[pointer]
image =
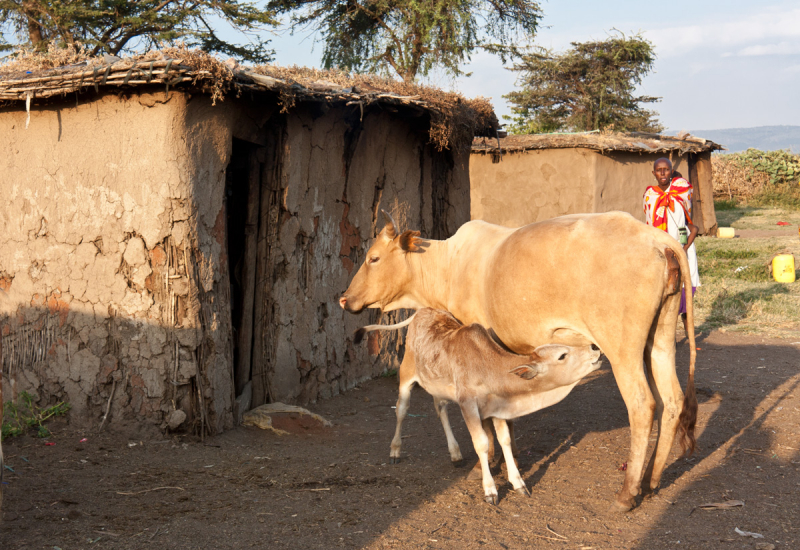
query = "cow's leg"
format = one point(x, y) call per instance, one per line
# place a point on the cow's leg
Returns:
point(452, 445)
point(481, 442)
point(663, 380)
point(477, 473)
point(407, 376)
point(632, 382)
point(504, 437)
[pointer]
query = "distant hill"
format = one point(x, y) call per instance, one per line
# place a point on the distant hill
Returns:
point(766, 138)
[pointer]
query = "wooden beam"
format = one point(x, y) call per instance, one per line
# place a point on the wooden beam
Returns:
point(249, 272)
point(263, 325)
point(697, 196)
point(705, 183)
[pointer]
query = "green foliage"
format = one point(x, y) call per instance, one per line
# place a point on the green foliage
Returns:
point(781, 166)
point(588, 87)
point(18, 418)
point(114, 26)
point(411, 37)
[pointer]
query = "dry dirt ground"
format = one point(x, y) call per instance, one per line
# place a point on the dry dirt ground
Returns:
point(333, 487)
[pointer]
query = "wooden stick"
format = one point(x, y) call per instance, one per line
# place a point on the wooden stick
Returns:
point(150, 490)
point(556, 534)
point(96, 70)
point(108, 405)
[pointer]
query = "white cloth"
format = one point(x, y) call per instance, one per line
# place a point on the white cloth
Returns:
point(676, 220)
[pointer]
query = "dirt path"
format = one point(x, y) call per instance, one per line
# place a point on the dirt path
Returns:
point(333, 487)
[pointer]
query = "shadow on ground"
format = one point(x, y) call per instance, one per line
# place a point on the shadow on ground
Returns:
point(334, 488)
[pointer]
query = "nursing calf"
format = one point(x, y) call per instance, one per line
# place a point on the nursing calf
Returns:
point(463, 364)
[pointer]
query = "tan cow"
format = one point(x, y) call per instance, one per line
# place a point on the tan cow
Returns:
point(463, 364)
point(603, 279)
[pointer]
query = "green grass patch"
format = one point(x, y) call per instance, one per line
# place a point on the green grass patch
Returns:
point(738, 292)
point(724, 205)
point(760, 218)
point(25, 415)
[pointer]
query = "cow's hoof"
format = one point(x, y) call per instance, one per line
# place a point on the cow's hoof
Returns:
point(491, 499)
point(457, 463)
point(394, 460)
point(523, 491)
point(476, 474)
point(618, 507)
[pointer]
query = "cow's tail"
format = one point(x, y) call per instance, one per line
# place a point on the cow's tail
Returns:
point(688, 416)
point(369, 328)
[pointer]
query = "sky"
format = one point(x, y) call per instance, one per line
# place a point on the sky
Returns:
point(720, 64)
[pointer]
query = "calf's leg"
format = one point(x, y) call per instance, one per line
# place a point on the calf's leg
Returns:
point(481, 443)
point(407, 376)
point(504, 437)
point(477, 473)
point(452, 445)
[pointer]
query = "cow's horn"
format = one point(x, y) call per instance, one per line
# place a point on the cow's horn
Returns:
point(390, 229)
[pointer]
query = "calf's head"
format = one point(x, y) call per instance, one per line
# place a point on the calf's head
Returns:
point(554, 365)
point(383, 279)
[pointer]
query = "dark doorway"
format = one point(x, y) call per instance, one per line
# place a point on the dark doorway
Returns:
point(242, 198)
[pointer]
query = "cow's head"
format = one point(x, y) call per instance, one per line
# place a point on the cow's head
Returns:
point(385, 275)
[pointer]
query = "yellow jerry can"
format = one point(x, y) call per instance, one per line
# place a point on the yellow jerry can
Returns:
point(783, 268)
point(725, 233)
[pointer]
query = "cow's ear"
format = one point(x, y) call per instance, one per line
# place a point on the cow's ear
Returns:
point(390, 229)
point(526, 372)
point(409, 241)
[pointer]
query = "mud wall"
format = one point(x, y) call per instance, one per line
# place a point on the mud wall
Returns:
point(537, 185)
point(101, 260)
point(336, 172)
point(113, 249)
point(621, 179)
point(532, 186)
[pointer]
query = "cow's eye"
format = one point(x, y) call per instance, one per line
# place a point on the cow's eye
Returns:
point(562, 356)
point(373, 259)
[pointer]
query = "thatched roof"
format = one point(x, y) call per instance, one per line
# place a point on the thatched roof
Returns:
point(30, 77)
point(634, 142)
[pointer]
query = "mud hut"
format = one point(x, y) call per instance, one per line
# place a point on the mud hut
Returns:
point(176, 231)
point(526, 178)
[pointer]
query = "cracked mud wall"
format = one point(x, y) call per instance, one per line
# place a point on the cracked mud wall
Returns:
point(113, 249)
point(536, 185)
point(109, 283)
point(335, 174)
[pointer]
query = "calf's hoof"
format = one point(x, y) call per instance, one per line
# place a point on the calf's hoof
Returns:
point(457, 463)
point(491, 499)
point(523, 491)
point(394, 460)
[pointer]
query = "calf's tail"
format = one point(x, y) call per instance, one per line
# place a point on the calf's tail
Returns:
point(369, 328)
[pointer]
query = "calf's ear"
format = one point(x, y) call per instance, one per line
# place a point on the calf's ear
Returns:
point(526, 372)
point(409, 241)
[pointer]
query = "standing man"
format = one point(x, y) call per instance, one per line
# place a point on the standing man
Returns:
point(668, 206)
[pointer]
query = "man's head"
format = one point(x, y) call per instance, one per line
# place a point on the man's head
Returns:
point(662, 170)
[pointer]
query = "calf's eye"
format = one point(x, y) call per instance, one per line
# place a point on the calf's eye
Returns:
point(562, 356)
point(373, 259)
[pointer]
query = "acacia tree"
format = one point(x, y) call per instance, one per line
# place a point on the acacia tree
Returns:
point(114, 26)
point(411, 37)
point(591, 86)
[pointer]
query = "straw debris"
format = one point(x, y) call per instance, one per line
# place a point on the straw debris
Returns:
point(28, 75)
